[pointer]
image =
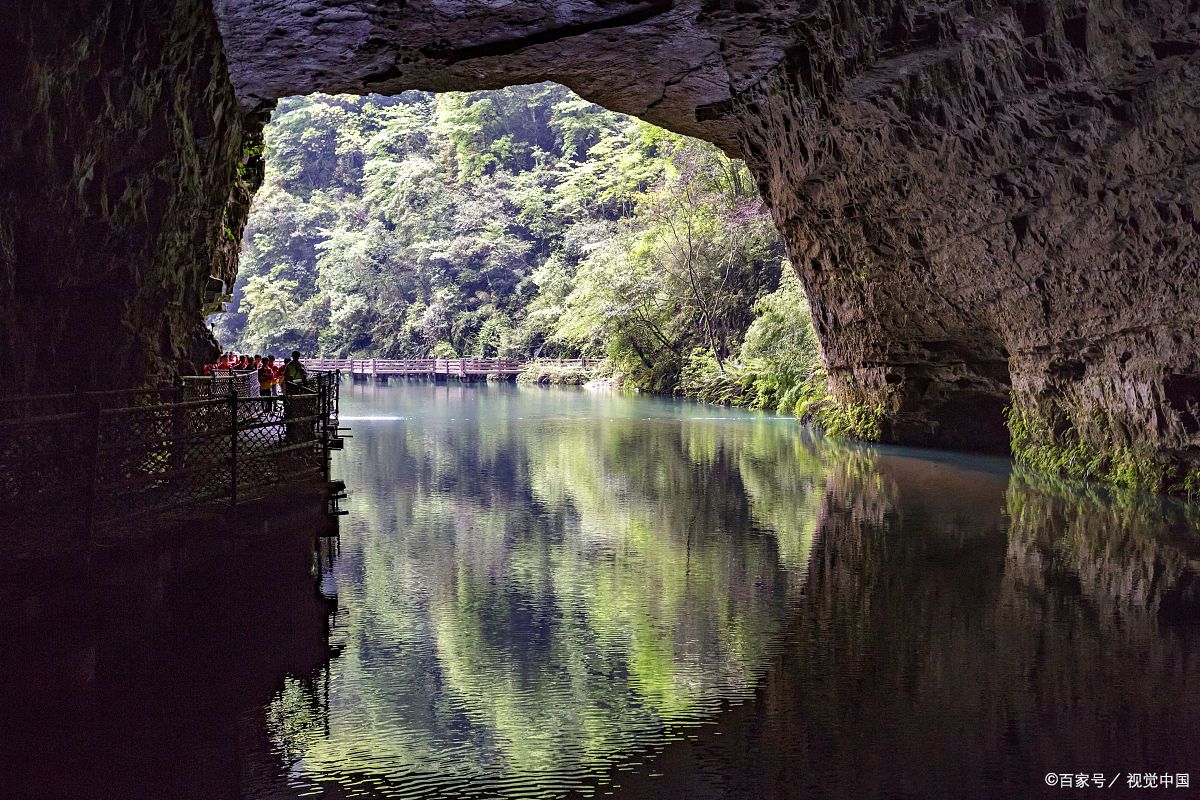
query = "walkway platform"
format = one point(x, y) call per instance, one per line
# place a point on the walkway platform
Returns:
point(94, 466)
point(382, 369)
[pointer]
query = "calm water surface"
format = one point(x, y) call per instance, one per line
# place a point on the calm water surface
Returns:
point(549, 593)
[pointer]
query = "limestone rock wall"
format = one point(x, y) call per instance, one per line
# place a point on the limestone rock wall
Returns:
point(120, 156)
point(1000, 198)
point(674, 63)
point(985, 199)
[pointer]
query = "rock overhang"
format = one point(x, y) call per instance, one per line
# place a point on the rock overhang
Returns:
point(989, 203)
point(940, 171)
point(677, 64)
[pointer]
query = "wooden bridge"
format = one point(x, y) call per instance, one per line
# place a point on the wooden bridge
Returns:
point(381, 369)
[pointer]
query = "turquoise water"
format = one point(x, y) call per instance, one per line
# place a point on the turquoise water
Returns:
point(546, 592)
point(552, 593)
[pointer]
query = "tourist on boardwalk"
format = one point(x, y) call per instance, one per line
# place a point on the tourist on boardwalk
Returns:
point(294, 374)
point(266, 382)
point(266, 378)
point(295, 385)
point(272, 372)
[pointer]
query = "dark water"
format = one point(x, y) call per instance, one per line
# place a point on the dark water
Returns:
point(548, 593)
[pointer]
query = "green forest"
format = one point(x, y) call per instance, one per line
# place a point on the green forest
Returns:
point(527, 223)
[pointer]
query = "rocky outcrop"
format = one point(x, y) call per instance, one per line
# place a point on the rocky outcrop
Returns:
point(120, 155)
point(1001, 201)
point(667, 62)
point(984, 200)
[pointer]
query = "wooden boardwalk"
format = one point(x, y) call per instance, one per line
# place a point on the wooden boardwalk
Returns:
point(433, 368)
point(118, 459)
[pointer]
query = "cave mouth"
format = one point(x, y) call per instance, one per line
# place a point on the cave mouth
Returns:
point(507, 223)
point(470, 224)
point(986, 172)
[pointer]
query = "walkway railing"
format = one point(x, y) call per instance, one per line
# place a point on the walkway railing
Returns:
point(435, 367)
point(243, 383)
point(111, 458)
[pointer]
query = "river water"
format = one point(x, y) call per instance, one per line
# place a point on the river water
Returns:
point(552, 593)
point(545, 591)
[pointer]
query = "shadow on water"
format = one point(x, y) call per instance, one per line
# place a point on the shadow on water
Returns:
point(554, 593)
point(964, 636)
point(144, 677)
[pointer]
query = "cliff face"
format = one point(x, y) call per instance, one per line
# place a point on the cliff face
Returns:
point(982, 198)
point(120, 151)
point(1003, 200)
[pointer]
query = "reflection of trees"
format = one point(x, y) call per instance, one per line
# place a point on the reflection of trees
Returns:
point(547, 596)
point(962, 636)
point(565, 590)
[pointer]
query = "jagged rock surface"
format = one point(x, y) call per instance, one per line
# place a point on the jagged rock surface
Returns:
point(982, 198)
point(677, 64)
point(120, 145)
point(1001, 199)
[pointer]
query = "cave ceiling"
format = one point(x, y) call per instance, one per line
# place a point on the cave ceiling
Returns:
point(677, 64)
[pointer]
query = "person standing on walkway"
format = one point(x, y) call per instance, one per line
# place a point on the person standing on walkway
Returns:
point(294, 374)
point(295, 384)
point(266, 381)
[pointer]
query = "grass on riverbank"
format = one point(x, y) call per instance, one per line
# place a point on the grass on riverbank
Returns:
point(759, 384)
point(1078, 445)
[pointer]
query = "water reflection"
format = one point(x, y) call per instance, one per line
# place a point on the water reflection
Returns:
point(542, 585)
point(557, 593)
point(949, 650)
point(144, 676)
point(1131, 557)
point(553, 593)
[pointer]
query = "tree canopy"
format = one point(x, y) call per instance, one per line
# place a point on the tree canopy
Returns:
point(521, 222)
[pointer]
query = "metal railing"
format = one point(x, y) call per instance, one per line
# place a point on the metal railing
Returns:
point(243, 383)
point(433, 367)
point(116, 457)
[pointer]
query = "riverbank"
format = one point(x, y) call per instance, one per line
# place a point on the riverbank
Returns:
point(554, 373)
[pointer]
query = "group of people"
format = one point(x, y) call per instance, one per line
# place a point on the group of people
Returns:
point(273, 377)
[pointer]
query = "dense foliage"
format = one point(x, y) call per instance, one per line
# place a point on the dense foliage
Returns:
point(523, 222)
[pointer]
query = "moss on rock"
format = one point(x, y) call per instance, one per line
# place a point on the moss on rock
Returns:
point(1079, 444)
